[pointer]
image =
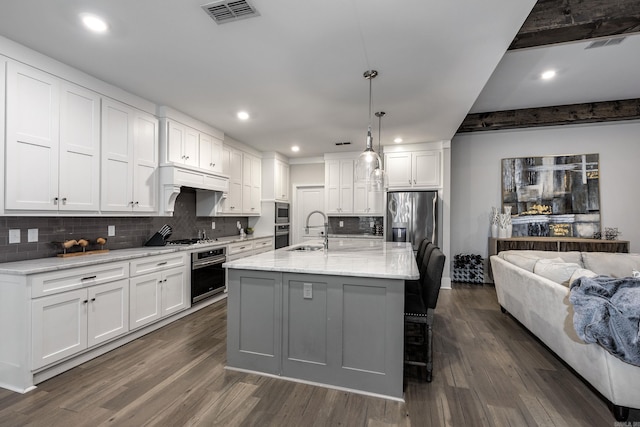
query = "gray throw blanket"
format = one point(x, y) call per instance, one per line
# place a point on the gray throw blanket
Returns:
point(607, 312)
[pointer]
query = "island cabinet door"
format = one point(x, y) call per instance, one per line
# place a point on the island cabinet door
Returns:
point(344, 331)
point(254, 320)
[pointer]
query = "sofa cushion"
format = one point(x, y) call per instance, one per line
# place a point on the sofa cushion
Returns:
point(571, 256)
point(526, 261)
point(611, 264)
point(556, 270)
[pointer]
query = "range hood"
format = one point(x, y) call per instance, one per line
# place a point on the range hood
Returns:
point(173, 177)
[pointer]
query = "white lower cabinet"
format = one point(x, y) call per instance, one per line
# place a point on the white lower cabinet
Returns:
point(158, 294)
point(69, 322)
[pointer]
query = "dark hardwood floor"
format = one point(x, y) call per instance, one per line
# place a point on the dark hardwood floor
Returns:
point(489, 371)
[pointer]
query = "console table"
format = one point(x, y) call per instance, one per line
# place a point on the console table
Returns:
point(560, 244)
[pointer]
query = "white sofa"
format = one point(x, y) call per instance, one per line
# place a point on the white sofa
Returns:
point(533, 286)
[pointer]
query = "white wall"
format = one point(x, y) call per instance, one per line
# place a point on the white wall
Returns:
point(476, 174)
point(306, 174)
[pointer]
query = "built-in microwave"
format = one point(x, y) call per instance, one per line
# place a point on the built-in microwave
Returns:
point(282, 213)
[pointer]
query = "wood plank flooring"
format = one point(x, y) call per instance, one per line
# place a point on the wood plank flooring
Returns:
point(489, 371)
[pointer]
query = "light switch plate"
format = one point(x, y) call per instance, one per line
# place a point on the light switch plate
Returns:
point(111, 230)
point(32, 235)
point(213, 225)
point(14, 236)
point(307, 290)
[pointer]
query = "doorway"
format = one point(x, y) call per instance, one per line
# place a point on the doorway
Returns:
point(307, 199)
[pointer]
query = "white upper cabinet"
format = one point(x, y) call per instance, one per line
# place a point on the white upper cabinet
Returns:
point(53, 140)
point(275, 178)
point(145, 162)
point(232, 165)
point(367, 202)
point(129, 159)
point(182, 144)
point(251, 184)
point(210, 153)
point(415, 169)
point(338, 192)
point(188, 146)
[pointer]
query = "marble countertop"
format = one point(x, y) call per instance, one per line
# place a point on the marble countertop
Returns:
point(354, 236)
point(43, 265)
point(345, 257)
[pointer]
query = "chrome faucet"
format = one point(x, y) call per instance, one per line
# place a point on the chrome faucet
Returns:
point(326, 227)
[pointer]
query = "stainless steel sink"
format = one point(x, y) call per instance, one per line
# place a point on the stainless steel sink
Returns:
point(306, 248)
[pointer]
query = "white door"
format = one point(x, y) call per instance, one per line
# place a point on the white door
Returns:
point(174, 291)
point(308, 199)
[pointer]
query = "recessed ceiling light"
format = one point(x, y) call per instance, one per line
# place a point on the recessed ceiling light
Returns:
point(94, 23)
point(295, 148)
point(547, 75)
point(397, 140)
point(243, 115)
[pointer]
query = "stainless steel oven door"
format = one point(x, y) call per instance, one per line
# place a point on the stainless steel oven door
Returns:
point(207, 277)
point(281, 236)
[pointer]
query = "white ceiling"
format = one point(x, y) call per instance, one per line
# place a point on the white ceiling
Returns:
point(606, 73)
point(297, 68)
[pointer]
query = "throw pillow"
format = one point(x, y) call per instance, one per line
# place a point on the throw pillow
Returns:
point(556, 270)
point(636, 273)
point(581, 272)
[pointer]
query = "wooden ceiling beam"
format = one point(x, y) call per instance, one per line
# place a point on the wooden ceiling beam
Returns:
point(560, 21)
point(594, 112)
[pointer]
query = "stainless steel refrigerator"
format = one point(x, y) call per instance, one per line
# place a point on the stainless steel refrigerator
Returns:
point(412, 216)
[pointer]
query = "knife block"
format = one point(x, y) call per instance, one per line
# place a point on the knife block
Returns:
point(156, 240)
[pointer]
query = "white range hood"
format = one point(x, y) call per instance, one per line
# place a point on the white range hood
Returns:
point(173, 177)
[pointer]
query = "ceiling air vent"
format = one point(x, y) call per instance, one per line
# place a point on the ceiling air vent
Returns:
point(606, 42)
point(229, 11)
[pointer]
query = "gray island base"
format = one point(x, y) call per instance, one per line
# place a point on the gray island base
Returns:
point(331, 318)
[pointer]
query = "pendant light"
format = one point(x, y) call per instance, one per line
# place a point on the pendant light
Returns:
point(378, 176)
point(368, 159)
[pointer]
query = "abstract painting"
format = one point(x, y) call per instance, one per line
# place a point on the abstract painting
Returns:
point(555, 196)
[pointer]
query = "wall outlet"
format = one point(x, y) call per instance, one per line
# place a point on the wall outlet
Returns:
point(111, 230)
point(307, 290)
point(238, 225)
point(371, 224)
point(14, 236)
point(341, 223)
point(32, 235)
point(213, 225)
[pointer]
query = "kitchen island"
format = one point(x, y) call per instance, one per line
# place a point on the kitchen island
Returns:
point(331, 318)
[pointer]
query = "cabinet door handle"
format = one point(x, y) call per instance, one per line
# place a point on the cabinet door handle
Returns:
point(85, 301)
point(64, 200)
point(93, 299)
point(414, 181)
point(88, 277)
point(55, 200)
point(409, 182)
point(136, 203)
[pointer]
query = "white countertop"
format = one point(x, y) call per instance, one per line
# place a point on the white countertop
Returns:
point(349, 257)
point(43, 265)
point(355, 236)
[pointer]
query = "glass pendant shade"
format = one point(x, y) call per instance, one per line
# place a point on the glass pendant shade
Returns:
point(366, 162)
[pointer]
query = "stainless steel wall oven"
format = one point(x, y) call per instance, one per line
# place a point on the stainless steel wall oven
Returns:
point(282, 236)
point(207, 275)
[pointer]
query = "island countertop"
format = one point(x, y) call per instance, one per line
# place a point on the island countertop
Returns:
point(360, 258)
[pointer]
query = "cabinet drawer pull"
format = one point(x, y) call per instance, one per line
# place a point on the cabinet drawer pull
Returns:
point(88, 277)
point(161, 263)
